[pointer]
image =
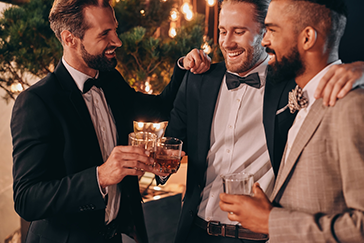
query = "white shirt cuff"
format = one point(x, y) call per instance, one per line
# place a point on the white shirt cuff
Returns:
point(98, 183)
point(180, 63)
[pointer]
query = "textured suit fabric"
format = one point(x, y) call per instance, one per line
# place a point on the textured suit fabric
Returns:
point(320, 187)
point(56, 151)
point(197, 96)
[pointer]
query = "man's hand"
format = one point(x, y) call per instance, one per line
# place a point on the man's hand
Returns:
point(338, 81)
point(251, 212)
point(124, 161)
point(197, 61)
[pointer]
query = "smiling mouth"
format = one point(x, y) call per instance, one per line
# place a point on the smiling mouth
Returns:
point(110, 52)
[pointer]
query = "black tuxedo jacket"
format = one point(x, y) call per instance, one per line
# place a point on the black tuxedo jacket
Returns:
point(191, 120)
point(276, 126)
point(56, 151)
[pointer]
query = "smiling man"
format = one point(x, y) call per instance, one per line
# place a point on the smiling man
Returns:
point(318, 194)
point(73, 178)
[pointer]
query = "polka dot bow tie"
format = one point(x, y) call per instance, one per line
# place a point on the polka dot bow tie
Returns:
point(296, 100)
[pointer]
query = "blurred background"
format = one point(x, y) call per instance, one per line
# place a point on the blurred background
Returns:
point(155, 33)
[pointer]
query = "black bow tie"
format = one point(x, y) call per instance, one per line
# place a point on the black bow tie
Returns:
point(234, 81)
point(91, 82)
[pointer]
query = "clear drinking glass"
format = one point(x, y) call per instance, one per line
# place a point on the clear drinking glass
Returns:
point(238, 183)
point(168, 154)
point(147, 139)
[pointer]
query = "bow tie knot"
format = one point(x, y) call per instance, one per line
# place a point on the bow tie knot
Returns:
point(233, 81)
point(296, 100)
point(91, 82)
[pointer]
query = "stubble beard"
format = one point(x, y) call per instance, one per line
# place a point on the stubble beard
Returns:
point(253, 55)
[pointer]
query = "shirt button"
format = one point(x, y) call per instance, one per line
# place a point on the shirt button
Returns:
point(230, 126)
point(103, 129)
point(238, 100)
point(208, 218)
point(228, 150)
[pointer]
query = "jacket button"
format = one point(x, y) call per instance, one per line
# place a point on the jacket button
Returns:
point(191, 213)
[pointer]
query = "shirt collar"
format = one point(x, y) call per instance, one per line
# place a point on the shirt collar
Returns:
point(310, 88)
point(261, 69)
point(79, 77)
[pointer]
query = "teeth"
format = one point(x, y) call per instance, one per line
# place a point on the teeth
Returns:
point(234, 54)
point(109, 52)
point(271, 56)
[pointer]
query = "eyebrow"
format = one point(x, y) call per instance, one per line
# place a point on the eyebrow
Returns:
point(234, 27)
point(270, 25)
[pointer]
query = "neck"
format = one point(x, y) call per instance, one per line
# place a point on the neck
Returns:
point(314, 64)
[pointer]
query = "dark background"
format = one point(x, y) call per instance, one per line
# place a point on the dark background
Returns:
point(352, 43)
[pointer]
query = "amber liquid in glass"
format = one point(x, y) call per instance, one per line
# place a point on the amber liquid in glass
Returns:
point(167, 163)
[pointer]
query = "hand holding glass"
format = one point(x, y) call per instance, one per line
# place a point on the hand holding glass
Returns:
point(238, 183)
point(168, 154)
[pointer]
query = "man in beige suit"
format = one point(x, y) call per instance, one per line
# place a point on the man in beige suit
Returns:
point(319, 191)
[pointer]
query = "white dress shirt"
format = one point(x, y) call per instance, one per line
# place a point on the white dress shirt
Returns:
point(105, 128)
point(237, 143)
point(308, 91)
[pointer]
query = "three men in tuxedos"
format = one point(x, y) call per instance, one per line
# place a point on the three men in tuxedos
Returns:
point(318, 194)
point(73, 178)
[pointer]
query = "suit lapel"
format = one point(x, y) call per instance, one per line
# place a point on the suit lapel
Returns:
point(275, 98)
point(82, 115)
point(209, 92)
point(305, 133)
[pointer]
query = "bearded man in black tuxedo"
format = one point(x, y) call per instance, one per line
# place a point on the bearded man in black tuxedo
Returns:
point(73, 178)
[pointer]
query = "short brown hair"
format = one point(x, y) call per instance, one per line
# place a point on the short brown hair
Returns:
point(68, 15)
point(260, 6)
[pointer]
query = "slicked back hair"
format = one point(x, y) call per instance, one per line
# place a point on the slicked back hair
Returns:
point(69, 15)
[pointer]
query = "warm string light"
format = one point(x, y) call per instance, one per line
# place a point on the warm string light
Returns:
point(16, 88)
point(211, 3)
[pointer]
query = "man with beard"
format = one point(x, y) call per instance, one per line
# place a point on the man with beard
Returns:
point(220, 123)
point(72, 177)
point(318, 194)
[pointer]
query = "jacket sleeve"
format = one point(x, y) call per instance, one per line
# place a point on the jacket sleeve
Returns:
point(41, 189)
point(158, 107)
point(177, 126)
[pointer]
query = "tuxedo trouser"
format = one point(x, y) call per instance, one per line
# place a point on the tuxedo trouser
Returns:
point(198, 235)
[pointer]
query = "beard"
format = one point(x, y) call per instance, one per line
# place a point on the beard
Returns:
point(288, 68)
point(253, 54)
point(98, 62)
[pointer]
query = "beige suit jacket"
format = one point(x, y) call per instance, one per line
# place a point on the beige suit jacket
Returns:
point(320, 188)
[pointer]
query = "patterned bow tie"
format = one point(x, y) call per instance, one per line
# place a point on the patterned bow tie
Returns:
point(234, 81)
point(91, 82)
point(296, 100)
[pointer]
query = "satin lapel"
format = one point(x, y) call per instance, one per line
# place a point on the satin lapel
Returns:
point(273, 101)
point(73, 94)
point(206, 109)
point(305, 133)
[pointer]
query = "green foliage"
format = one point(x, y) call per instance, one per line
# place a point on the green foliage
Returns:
point(143, 56)
point(27, 44)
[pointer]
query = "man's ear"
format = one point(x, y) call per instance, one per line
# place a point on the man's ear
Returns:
point(309, 38)
point(68, 39)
